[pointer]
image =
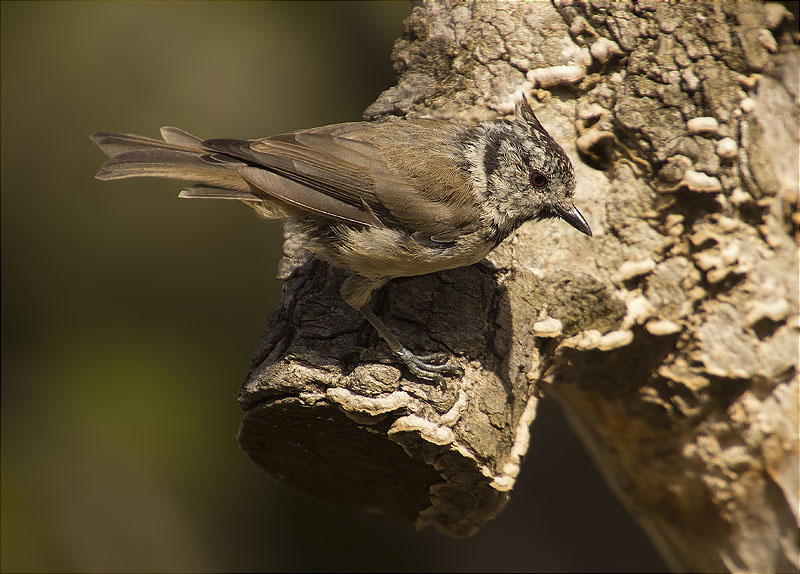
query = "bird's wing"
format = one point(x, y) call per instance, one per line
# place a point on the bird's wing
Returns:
point(346, 172)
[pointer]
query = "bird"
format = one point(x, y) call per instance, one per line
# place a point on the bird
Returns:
point(382, 199)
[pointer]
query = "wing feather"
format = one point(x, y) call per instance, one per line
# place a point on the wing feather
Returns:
point(356, 172)
point(298, 195)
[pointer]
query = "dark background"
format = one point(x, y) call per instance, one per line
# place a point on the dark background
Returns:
point(129, 316)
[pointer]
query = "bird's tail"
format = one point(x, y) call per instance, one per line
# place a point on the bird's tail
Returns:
point(180, 156)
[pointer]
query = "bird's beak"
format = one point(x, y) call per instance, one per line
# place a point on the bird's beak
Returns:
point(575, 219)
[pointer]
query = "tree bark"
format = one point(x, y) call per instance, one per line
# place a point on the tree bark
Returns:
point(670, 338)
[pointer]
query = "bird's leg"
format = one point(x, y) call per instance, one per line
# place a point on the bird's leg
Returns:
point(428, 367)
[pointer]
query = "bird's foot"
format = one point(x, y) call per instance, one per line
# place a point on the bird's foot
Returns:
point(431, 367)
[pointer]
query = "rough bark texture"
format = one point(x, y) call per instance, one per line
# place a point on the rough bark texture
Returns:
point(670, 337)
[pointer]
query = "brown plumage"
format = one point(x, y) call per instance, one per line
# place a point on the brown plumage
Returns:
point(382, 200)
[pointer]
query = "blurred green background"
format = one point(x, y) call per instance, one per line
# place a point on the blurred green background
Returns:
point(129, 316)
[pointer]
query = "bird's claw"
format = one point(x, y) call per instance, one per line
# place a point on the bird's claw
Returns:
point(433, 358)
point(432, 367)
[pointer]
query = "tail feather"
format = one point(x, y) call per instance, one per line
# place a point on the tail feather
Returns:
point(212, 175)
point(179, 156)
point(201, 191)
point(179, 137)
point(264, 207)
point(112, 144)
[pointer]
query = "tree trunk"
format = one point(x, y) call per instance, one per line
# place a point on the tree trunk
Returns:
point(670, 338)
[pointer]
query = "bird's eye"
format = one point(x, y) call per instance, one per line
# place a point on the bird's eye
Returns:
point(537, 179)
